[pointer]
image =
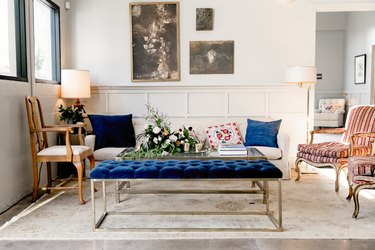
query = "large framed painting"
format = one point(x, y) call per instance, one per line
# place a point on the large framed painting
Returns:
point(155, 41)
point(211, 57)
point(360, 69)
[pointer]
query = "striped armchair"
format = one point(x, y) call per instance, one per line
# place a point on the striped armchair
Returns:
point(360, 119)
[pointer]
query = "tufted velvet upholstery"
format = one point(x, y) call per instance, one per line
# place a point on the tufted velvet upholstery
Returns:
point(174, 169)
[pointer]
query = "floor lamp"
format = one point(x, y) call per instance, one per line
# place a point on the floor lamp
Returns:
point(301, 75)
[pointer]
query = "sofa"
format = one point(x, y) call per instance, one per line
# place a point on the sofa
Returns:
point(278, 156)
point(330, 113)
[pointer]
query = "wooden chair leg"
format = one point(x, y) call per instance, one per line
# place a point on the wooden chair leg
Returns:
point(356, 201)
point(49, 176)
point(350, 185)
point(92, 161)
point(337, 181)
point(298, 169)
point(79, 168)
point(35, 178)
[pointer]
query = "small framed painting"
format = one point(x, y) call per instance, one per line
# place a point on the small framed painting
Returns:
point(204, 19)
point(360, 69)
point(211, 57)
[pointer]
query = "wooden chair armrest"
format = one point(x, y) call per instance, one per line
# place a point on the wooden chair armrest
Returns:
point(370, 135)
point(54, 129)
point(79, 125)
point(325, 131)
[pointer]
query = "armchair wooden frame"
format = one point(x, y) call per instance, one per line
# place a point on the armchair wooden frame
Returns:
point(43, 153)
point(335, 154)
point(354, 188)
point(338, 167)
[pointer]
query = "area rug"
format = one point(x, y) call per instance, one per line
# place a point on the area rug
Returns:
point(311, 210)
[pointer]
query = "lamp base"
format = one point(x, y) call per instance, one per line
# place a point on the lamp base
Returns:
point(77, 103)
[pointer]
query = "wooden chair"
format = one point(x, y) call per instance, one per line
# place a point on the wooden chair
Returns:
point(360, 119)
point(42, 152)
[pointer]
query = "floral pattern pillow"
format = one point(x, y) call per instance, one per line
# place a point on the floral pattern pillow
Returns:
point(223, 134)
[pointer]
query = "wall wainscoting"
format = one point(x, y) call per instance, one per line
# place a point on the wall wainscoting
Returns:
point(201, 106)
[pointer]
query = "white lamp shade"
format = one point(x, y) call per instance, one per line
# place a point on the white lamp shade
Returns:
point(75, 83)
point(300, 74)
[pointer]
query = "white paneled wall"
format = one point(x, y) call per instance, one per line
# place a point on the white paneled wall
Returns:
point(201, 106)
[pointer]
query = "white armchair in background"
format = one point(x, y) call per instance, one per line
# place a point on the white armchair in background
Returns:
point(330, 113)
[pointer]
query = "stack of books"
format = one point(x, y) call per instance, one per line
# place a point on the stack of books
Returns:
point(232, 150)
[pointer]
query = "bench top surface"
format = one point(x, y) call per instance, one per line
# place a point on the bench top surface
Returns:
point(191, 169)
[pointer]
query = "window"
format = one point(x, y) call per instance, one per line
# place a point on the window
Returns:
point(47, 40)
point(13, 40)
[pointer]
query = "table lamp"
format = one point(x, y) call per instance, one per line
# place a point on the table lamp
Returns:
point(75, 84)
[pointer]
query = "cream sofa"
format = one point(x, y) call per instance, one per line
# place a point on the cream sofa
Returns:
point(330, 113)
point(277, 156)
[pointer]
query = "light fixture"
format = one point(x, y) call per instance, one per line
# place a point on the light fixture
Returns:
point(75, 84)
point(300, 75)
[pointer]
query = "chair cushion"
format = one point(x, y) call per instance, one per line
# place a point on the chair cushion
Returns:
point(61, 150)
point(113, 130)
point(327, 116)
point(361, 169)
point(259, 133)
point(327, 149)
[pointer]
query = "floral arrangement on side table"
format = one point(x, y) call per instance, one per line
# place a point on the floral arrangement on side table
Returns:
point(72, 114)
point(159, 140)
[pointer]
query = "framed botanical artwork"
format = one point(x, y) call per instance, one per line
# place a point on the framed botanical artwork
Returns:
point(211, 57)
point(155, 45)
point(360, 69)
point(204, 19)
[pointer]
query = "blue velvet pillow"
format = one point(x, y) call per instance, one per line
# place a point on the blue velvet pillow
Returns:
point(113, 130)
point(260, 133)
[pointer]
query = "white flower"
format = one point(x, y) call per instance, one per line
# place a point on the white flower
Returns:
point(182, 142)
point(173, 138)
point(159, 138)
point(167, 141)
point(156, 140)
point(164, 153)
point(156, 130)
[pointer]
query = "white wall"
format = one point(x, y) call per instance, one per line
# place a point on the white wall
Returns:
point(360, 36)
point(266, 34)
point(16, 179)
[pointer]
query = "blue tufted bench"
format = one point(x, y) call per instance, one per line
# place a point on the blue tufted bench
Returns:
point(259, 172)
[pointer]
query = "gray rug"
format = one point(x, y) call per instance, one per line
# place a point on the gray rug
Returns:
point(311, 209)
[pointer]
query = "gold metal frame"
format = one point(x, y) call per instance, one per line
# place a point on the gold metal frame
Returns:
point(123, 186)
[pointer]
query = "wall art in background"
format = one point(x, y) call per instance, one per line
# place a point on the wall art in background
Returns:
point(360, 69)
point(204, 19)
point(155, 41)
point(211, 57)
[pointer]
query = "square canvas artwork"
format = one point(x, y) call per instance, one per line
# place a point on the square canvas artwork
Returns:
point(204, 19)
point(211, 57)
point(155, 41)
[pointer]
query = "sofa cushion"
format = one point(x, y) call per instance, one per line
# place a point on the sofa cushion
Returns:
point(223, 134)
point(113, 130)
point(259, 133)
point(109, 153)
point(271, 153)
